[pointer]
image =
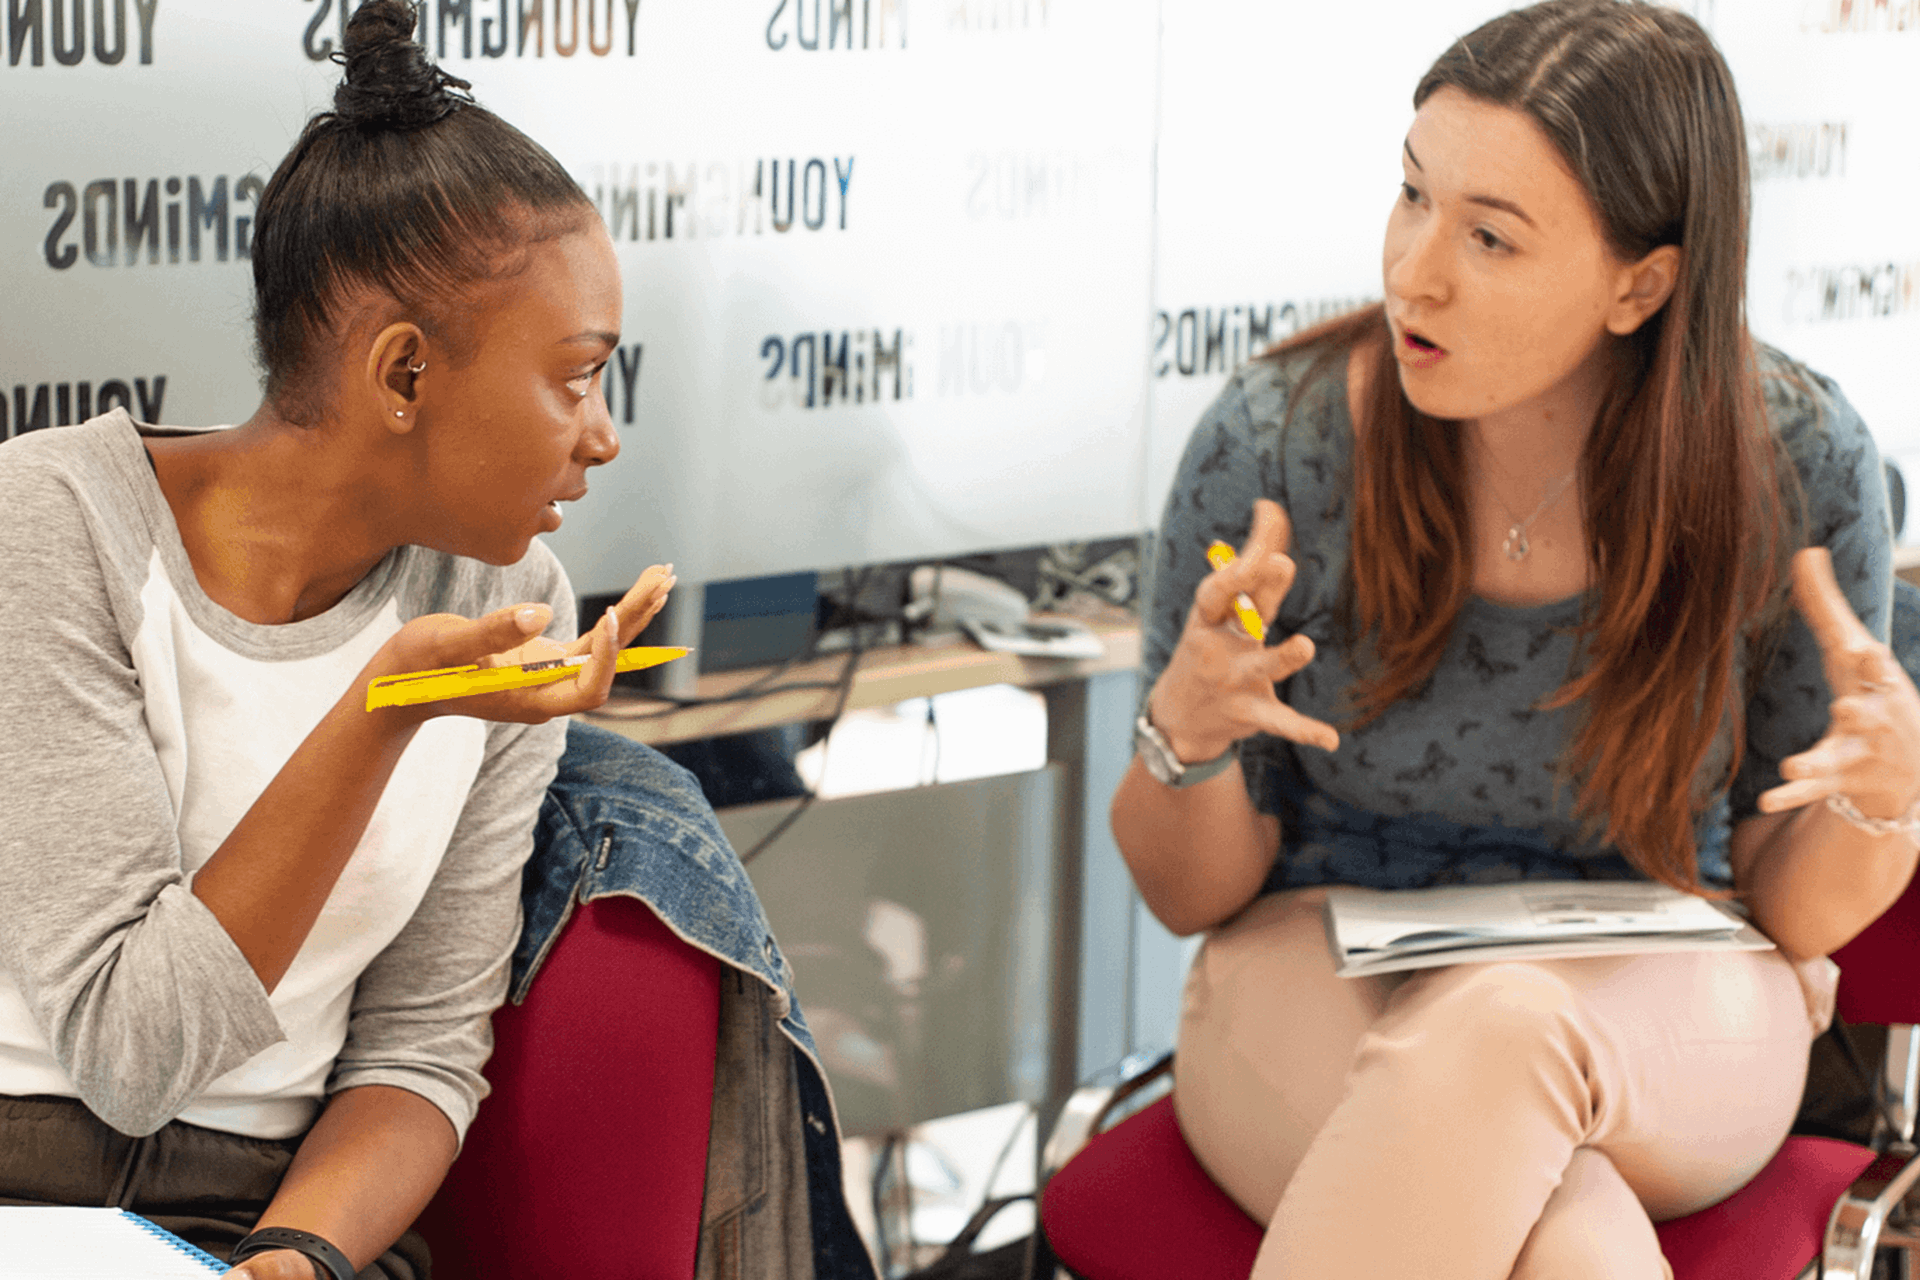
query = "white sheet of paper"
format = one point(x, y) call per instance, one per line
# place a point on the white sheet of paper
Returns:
point(62, 1243)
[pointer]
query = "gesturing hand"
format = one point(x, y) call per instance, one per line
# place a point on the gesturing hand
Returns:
point(1218, 684)
point(1871, 750)
point(636, 609)
point(512, 635)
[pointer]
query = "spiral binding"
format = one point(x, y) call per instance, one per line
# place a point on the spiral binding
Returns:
point(175, 1242)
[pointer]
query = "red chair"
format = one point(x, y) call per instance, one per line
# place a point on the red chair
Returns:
point(1130, 1202)
point(589, 1158)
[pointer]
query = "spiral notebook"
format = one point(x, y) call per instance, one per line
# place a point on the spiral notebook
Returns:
point(61, 1243)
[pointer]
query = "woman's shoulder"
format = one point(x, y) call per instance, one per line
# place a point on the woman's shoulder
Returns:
point(1800, 400)
point(75, 450)
point(1813, 421)
point(91, 472)
point(1293, 387)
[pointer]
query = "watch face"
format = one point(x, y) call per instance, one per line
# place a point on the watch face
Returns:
point(1155, 752)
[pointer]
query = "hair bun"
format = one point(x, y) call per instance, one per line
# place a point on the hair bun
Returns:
point(390, 82)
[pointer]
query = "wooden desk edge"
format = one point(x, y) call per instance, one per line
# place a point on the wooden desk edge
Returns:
point(886, 676)
point(1906, 562)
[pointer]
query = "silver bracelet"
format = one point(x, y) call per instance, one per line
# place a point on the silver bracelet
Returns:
point(1907, 824)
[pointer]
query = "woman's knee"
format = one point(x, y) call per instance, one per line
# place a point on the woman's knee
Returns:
point(1592, 1228)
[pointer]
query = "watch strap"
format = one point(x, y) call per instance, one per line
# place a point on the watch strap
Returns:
point(1158, 755)
point(328, 1262)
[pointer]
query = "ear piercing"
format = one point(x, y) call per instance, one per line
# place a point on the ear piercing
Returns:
point(416, 370)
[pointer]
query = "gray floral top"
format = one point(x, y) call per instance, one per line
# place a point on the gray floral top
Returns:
point(1462, 783)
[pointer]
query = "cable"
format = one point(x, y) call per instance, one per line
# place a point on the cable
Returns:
point(932, 730)
point(848, 671)
point(761, 685)
point(1006, 1149)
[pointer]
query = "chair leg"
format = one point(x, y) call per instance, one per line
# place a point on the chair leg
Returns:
point(1865, 1218)
point(1899, 1076)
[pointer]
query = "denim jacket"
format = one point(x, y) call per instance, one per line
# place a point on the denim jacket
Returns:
point(620, 818)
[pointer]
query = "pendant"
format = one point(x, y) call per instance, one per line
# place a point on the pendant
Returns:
point(1516, 546)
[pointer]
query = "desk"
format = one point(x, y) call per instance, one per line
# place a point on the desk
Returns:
point(886, 675)
point(1094, 952)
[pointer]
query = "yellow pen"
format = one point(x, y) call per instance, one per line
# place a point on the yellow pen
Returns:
point(1220, 555)
point(463, 682)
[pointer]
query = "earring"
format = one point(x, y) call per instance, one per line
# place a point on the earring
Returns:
point(399, 413)
point(417, 368)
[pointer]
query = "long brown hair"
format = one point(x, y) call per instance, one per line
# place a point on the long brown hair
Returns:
point(1686, 523)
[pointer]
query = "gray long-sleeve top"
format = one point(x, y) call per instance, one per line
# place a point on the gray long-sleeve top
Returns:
point(141, 721)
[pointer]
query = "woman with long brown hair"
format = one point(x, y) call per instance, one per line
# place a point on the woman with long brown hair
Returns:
point(1527, 534)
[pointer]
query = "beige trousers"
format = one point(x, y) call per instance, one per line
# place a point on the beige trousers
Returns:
point(1510, 1119)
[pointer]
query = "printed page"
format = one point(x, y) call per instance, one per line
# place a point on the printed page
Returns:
point(1380, 930)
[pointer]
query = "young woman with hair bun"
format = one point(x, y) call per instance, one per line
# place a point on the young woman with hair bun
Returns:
point(1527, 535)
point(251, 933)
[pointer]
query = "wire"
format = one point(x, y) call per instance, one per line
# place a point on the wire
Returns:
point(761, 685)
point(1006, 1149)
point(848, 671)
point(932, 730)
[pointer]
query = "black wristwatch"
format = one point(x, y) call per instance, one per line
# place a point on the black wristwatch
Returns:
point(328, 1262)
point(1157, 754)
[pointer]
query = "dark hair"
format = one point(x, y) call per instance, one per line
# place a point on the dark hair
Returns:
point(1687, 525)
point(407, 186)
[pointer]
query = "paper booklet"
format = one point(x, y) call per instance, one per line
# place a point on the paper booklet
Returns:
point(60, 1243)
point(1385, 930)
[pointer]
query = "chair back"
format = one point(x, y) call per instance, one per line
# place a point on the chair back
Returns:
point(589, 1158)
point(1880, 969)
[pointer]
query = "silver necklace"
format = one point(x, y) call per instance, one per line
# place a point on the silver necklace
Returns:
point(1516, 545)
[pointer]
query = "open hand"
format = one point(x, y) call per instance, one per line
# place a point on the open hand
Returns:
point(1871, 750)
point(1218, 685)
point(640, 606)
point(512, 635)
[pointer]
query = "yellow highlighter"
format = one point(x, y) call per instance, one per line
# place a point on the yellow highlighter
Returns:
point(463, 682)
point(1220, 555)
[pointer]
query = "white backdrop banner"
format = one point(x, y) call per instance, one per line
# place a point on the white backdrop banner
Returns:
point(903, 279)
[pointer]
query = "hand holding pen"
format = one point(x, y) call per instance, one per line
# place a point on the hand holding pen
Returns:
point(1218, 686)
point(1220, 555)
point(495, 650)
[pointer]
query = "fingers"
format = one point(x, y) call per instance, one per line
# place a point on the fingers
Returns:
point(595, 680)
point(1852, 656)
point(1265, 577)
point(1285, 722)
point(460, 641)
point(644, 600)
point(1219, 689)
point(274, 1264)
point(641, 605)
point(1859, 756)
point(1272, 530)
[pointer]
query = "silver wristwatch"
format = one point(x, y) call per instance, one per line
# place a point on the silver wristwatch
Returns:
point(1157, 754)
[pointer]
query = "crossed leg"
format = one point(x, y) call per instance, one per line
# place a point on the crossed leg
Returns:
point(1481, 1121)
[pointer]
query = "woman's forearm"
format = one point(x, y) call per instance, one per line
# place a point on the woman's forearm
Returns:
point(1813, 880)
point(1197, 854)
point(365, 1171)
point(270, 877)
